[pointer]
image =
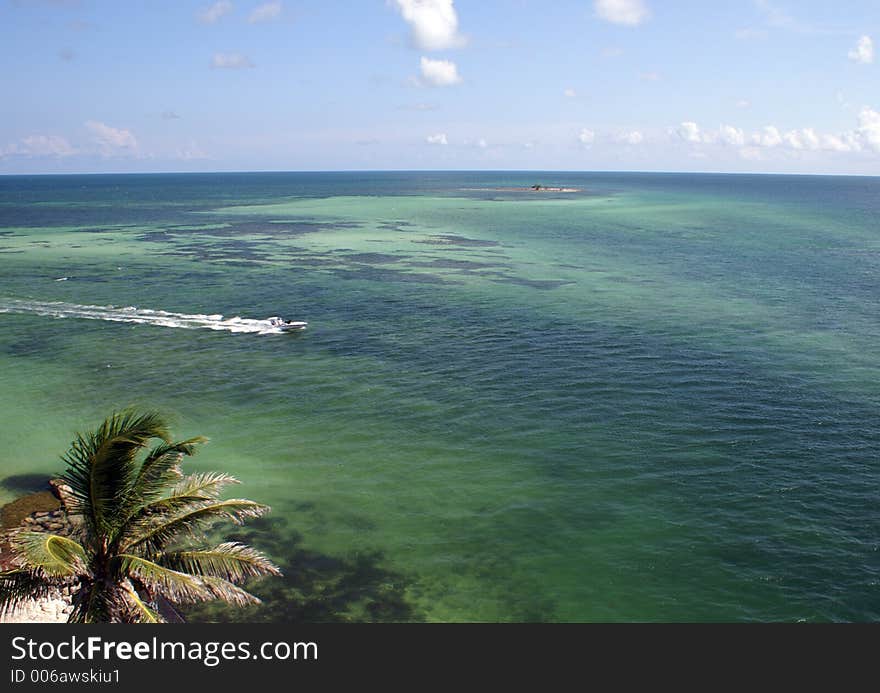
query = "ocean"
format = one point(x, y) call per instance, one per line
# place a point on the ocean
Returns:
point(652, 399)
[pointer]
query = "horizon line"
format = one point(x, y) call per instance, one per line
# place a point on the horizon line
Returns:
point(429, 170)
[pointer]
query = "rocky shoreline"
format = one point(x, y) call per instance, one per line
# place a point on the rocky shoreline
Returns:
point(40, 512)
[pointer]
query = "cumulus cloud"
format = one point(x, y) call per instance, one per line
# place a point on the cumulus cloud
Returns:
point(439, 73)
point(40, 146)
point(586, 137)
point(212, 14)
point(170, 115)
point(689, 132)
point(869, 128)
point(112, 141)
point(630, 137)
point(265, 12)
point(482, 144)
point(434, 23)
point(230, 61)
point(47, 145)
point(439, 138)
point(749, 146)
point(863, 52)
point(768, 137)
point(570, 93)
point(626, 12)
point(805, 138)
point(743, 103)
point(728, 134)
point(847, 142)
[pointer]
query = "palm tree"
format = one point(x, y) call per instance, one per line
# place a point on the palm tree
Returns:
point(137, 515)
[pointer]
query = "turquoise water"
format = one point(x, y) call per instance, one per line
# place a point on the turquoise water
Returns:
point(653, 399)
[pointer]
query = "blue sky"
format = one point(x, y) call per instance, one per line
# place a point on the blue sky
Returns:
point(650, 85)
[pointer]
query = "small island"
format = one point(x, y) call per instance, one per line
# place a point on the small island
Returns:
point(537, 187)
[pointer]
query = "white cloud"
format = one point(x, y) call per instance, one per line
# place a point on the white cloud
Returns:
point(230, 61)
point(768, 137)
point(731, 135)
point(212, 14)
point(265, 12)
point(749, 146)
point(869, 128)
point(439, 73)
point(586, 136)
point(439, 138)
point(847, 142)
point(434, 23)
point(649, 76)
point(689, 132)
point(809, 138)
point(482, 144)
point(112, 141)
point(627, 12)
point(39, 146)
point(570, 93)
point(47, 145)
point(743, 103)
point(863, 52)
point(805, 138)
point(630, 137)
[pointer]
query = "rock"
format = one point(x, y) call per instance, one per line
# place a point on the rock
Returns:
point(60, 489)
point(12, 514)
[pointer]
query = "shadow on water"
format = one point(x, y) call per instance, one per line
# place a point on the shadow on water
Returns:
point(25, 483)
point(314, 587)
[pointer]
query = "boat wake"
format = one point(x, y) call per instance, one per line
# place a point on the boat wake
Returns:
point(141, 316)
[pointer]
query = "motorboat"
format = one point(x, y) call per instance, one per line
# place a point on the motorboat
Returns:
point(287, 325)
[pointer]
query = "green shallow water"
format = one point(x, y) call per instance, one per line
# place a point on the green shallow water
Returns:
point(650, 400)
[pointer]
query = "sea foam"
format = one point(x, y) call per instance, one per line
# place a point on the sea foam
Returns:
point(141, 316)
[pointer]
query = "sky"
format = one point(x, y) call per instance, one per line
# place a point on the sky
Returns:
point(765, 86)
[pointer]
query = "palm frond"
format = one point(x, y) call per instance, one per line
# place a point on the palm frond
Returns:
point(229, 593)
point(208, 485)
point(54, 555)
point(21, 584)
point(154, 514)
point(190, 522)
point(140, 611)
point(230, 561)
point(176, 586)
point(161, 467)
point(101, 466)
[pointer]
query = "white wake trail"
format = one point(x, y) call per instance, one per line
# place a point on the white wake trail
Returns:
point(140, 316)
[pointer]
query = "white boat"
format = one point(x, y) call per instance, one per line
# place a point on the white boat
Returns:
point(287, 325)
